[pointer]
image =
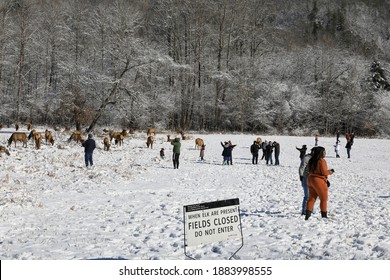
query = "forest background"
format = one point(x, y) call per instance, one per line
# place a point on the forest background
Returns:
point(268, 66)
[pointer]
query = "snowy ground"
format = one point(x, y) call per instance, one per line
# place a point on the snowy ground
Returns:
point(130, 206)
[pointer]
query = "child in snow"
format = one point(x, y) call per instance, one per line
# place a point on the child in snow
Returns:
point(337, 148)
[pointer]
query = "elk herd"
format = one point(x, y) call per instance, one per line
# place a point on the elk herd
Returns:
point(78, 137)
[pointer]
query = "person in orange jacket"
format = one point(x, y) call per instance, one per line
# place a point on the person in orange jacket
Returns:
point(318, 182)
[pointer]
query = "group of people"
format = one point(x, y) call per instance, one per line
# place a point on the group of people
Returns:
point(268, 148)
point(348, 146)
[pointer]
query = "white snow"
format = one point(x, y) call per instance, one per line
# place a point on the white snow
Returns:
point(130, 205)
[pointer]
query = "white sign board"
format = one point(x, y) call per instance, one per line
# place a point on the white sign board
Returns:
point(212, 222)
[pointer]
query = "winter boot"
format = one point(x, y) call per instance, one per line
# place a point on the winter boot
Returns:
point(324, 214)
point(308, 214)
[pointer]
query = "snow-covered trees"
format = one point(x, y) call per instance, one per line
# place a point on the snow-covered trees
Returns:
point(267, 66)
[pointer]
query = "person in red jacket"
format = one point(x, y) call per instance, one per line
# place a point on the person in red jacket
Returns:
point(318, 182)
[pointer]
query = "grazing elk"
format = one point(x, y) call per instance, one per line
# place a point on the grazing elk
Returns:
point(18, 136)
point(37, 138)
point(49, 137)
point(119, 139)
point(106, 143)
point(76, 136)
point(151, 131)
point(149, 142)
point(199, 143)
point(4, 150)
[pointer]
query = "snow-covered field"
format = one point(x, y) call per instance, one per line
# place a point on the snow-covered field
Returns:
point(130, 205)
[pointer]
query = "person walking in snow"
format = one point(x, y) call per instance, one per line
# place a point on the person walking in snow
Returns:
point(255, 152)
point(176, 152)
point(231, 146)
point(89, 146)
point(338, 135)
point(202, 148)
point(317, 182)
point(337, 148)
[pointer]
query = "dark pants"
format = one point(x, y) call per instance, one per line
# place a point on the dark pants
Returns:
point(255, 158)
point(276, 159)
point(175, 159)
point(88, 159)
point(349, 152)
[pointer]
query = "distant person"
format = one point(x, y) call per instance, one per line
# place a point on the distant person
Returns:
point(176, 152)
point(347, 136)
point(348, 146)
point(264, 148)
point(227, 153)
point(337, 148)
point(302, 151)
point(276, 147)
point(255, 152)
point(317, 182)
point(162, 153)
point(316, 140)
point(268, 152)
point(89, 146)
point(231, 146)
point(338, 135)
point(202, 148)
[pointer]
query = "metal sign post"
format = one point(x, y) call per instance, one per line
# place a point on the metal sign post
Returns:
point(212, 222)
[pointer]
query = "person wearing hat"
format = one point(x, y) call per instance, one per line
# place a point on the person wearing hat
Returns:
point(89, 146)
point(202, 148)
point(302, 151)
point(176, 152)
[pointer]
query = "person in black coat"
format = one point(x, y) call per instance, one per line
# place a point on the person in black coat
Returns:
point(255, 152)
point(89, 147)
point(302, 151)
point(268, 152)
point(276, 147)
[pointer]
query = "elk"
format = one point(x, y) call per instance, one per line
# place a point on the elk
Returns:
point(106, 143)
point(29, 126)
point(199, 143)
point(151, 131)
point(119, 139)
point(149, 142)
point(18, 136)
point(4, 150)
point(49, 137)
point(259, 140)
point(76, 136)
point(37, 138)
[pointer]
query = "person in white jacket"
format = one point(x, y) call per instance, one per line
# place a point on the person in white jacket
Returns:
point(337, 148)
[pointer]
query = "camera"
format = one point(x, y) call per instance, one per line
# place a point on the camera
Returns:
point(332, 170)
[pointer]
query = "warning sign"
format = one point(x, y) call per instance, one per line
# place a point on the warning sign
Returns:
point(212, 222)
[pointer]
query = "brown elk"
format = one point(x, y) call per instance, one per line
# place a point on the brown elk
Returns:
point(149, 142)
point(119, 139)
point(49, 137)
point(37, 138)
point(29, 126)
point(18, 136)
point(151, 131)
point(106, 143)
point(76, 136)
point(169, 138)
point(16, 127)
point(199, 143)
point(4, 150)
point(259, 140)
